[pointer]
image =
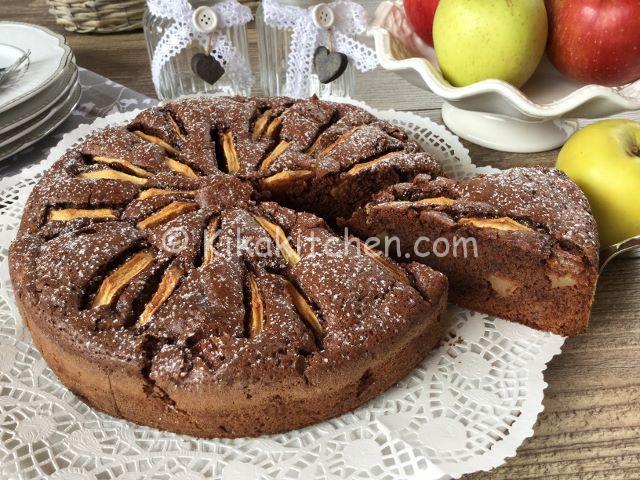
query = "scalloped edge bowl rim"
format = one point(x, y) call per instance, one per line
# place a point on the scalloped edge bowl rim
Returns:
point(516, 97)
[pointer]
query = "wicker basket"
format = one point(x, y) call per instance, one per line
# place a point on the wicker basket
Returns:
point(98, 16)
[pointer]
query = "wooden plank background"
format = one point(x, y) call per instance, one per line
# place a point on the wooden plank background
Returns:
point(590, 428)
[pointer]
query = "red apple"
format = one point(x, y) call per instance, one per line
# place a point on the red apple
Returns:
point(595, 41)
point(420, 14)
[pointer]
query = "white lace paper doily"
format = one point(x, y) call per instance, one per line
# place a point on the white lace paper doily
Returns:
point(467, 408)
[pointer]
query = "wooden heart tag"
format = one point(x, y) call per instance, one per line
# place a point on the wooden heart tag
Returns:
point(206, 67)
point(329, 65)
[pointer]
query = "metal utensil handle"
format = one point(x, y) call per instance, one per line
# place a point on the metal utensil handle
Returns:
point(609, 253)
point(15, 65)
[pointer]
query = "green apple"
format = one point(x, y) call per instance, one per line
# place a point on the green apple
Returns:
point(480, 39)
point(604, 160)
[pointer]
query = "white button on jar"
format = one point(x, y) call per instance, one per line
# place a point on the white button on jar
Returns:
point(323, 16)
point(205, 20)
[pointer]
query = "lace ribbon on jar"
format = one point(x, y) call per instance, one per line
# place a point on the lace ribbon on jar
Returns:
point(350, 20)
point(178, 36)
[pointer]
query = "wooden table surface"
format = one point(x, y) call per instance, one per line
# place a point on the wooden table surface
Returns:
point(590, 428)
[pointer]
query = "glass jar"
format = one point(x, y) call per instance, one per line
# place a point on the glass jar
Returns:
point(273, 53)
point(176, 77)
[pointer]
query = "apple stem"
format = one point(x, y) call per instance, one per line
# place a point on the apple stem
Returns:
point(635, 150)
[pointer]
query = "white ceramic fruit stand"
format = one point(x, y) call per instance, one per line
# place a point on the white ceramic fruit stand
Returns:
point(494, 114)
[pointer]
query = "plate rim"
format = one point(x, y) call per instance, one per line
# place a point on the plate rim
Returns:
point(76, 95)
point(66, 57)
point(66, 88)
point(39, 120)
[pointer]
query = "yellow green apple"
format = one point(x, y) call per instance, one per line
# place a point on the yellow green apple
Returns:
point(604, 160)
point(477, 40)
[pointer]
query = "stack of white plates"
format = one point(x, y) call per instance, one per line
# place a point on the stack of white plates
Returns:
point(42, 93)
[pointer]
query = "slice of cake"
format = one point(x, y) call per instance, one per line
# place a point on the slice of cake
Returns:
point(521, 245)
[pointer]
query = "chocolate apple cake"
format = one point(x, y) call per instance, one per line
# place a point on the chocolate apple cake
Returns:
point(178, 271)
point(521, 244)
point(162, 287)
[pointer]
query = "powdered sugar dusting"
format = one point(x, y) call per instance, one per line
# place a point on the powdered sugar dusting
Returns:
point(358, 304)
